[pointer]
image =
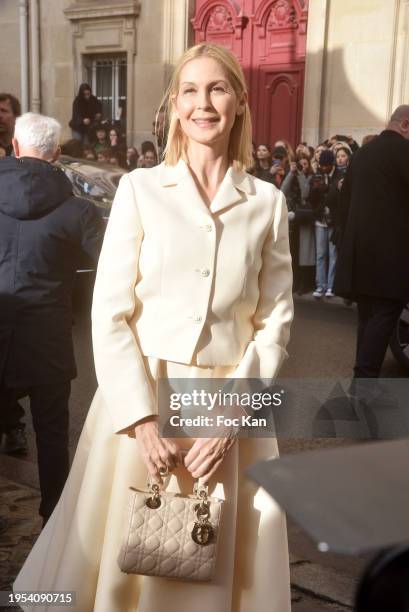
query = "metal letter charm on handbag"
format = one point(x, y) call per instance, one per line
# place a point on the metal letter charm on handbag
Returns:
point(202, 532)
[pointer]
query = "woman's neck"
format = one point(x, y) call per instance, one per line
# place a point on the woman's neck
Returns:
point(264, 163)
point(208, 166)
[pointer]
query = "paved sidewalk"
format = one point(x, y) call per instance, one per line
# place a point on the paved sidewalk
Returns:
point(19, 506)
point(334, 301)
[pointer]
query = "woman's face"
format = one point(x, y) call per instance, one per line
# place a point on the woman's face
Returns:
point(302, 150)
point(341, 158)
point(304, 165)
point(149, 159)
point(206, 103)
point(113, 135)
point(262, 152)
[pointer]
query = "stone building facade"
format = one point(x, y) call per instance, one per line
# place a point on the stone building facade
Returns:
point(355, 67)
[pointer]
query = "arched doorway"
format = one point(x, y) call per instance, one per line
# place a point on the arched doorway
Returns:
point(269, 39)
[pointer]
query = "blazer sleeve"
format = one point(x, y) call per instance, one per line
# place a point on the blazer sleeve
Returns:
point(266, 352)
point(124, 383)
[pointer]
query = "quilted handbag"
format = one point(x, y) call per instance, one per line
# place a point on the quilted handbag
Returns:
point(171, 535)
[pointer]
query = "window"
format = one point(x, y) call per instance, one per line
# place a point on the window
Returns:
point(107, 77)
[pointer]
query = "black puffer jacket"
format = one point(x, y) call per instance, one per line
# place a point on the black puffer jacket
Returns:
point(44, 230)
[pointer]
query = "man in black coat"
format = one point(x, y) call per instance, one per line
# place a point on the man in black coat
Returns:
point(373, 262)
point(44, 230)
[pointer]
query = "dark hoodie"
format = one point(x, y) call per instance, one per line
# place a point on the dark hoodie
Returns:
point(84, 109)
point(44, 230)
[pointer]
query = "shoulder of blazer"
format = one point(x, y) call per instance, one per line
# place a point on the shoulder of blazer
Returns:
point(271, 195)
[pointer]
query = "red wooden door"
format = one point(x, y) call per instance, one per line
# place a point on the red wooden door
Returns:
point(269, 39)
point(279, 104)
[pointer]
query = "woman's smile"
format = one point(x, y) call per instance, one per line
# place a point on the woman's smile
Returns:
point(205, 123)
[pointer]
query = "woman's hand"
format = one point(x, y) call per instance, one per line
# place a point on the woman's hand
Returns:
point(206, 456)
point(276, 170)
point(157, 453)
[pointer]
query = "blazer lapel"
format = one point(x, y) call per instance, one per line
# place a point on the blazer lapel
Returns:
point(234, 188)
point(181, 185)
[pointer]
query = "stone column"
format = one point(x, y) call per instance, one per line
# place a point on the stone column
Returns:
point(399, 79)
point(315, 67)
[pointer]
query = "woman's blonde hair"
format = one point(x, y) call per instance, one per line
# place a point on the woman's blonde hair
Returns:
point(240, 145)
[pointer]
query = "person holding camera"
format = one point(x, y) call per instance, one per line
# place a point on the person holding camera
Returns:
point(280, 165)
point(325, 249)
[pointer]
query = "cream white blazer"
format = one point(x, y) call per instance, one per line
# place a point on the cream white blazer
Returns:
point(182, 282)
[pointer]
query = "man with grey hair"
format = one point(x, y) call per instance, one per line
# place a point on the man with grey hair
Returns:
point(44, 230)
point(373, 261)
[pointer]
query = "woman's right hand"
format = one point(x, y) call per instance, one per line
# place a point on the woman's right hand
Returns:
point(157, 453)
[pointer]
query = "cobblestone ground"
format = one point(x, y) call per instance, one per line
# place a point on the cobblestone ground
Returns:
point(18, 506)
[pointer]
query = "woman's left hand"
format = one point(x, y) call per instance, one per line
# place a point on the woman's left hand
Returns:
point(207, 454)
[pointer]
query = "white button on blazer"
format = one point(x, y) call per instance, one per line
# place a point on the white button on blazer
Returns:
point(183, 282)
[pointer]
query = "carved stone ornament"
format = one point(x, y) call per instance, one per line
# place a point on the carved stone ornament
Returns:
point(282, 15)
point(220, 20)
point(100, 10)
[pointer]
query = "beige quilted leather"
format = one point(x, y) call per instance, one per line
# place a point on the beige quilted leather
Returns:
point(158, 542)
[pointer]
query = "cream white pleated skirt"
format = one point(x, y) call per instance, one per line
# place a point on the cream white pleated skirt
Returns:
point(78, 548)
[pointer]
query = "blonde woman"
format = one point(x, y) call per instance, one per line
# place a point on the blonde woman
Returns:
point(194, 280)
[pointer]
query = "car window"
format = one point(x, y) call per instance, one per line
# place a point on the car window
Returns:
point(84, 187)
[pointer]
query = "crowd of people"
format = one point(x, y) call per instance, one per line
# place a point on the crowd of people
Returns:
point(97, 138)
point(311, 179)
